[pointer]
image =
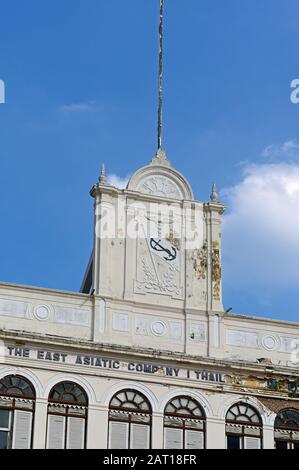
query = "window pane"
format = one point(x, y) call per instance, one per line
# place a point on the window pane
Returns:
point(255, 419)
point(144, 406)
point(140, 436)
point(15, 391)
point(129, 405)
point(59, 388)
point(184, 402)
point(281, 444)
point(3, 439)
point(170, 408)
point(230, 416)
point(4, 419)
point(138, 399)
point(182, 411)
point(56, 430)
point(173, 438)
point(194, 440)
point(118, 435)
point(69, 387)
point(22, 430)
point(122, 396)
point(241, 419)
point(115, 402)
point(68, 397)
point(130, 395)
point(252, 443)
point(233, 442)
point(75, 433)
point(296, 445)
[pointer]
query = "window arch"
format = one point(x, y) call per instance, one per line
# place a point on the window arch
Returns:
point(67, 416)
point(184, 424)
point(68, 393)
point(286, 429)
point(243, 427)
point(130, 419)
point(17, 402)
point(16, 386)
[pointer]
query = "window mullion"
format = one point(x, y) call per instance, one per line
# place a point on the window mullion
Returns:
point(129, 433)
point(66, 427)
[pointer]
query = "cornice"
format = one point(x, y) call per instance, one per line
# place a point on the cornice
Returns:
point(229, 366)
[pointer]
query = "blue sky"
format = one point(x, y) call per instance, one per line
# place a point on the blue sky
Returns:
point(81, 86)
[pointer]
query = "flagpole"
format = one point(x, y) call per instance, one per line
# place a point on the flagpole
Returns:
point(160, 108)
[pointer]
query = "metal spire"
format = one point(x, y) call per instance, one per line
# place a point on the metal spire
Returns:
point(160, 158)
point(160, 109)
point(102, 177)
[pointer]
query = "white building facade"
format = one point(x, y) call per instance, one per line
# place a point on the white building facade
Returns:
point(145, 355)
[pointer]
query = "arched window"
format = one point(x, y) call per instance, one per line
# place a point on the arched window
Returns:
point(184, 424)
point(286, 429)
point(130, 417)
point(243, 427)
point(67, 417)
point(17, 399)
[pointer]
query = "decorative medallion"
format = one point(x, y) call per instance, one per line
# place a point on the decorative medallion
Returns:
point(159, 185)
point(42, 312)
point(158, 328)
point(270, 342)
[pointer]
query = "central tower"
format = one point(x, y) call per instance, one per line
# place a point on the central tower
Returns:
point(156, 264)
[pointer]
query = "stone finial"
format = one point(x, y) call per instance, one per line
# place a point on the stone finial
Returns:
point(160, 158)
point(102, 178)
point(214, 195)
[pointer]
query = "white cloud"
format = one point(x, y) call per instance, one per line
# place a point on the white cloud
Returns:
point(78, 107)
point(287, 151)
point(261, 228)
point(118, 181)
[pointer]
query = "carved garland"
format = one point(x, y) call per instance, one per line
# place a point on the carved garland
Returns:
point(200, 261)
point(216, 271)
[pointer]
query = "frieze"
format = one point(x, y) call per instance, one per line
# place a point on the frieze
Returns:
point(198, 331)
point(14, 308)
point(108, 363)
point(120, 322)
point(260, 340)
point(285, 386)
point(71, 316)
